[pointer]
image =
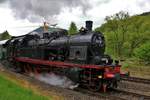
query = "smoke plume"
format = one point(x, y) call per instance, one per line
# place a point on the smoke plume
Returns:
point(35, 9)
point(56, 80)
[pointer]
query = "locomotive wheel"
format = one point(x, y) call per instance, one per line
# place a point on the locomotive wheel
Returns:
point(94, 86)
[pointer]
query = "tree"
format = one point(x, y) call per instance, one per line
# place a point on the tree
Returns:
point(139, 32)
point(117, 25)
point(5, 35)
point(143, 52)
point(123, 34)
point(72, 29)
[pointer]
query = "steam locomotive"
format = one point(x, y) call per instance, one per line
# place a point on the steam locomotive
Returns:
point(80, 57)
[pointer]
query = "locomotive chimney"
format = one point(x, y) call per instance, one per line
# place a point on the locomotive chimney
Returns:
point(89, 25)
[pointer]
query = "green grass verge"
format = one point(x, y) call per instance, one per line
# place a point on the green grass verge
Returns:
point(136, 69)
point(11, 91)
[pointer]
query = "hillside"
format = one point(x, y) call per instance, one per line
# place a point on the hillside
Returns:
point(124, 34)
point(145, 14)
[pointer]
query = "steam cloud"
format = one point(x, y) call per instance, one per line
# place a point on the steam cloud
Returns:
point(55, 80)
point(35, 9)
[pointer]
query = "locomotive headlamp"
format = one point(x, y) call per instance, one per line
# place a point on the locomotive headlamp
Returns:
point(105, 60)
point(82, 30)
point(100, 76)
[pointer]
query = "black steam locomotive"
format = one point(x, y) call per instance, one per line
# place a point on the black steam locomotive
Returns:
point(80, 57)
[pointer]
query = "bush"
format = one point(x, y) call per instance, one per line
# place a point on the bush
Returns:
point(143, 52)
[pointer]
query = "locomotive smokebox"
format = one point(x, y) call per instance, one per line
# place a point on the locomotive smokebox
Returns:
point(89, 25)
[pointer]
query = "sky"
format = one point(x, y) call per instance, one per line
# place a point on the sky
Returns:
point(22, 16)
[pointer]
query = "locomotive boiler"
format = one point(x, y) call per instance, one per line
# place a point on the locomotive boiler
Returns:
point(80, 57)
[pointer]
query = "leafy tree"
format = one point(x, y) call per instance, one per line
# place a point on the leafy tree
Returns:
point(116, 28)
point(5, 35)
point(124, 33)
point(143, 52)
point(139, 32)
point(72, 29)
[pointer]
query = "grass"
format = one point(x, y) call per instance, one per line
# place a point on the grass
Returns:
point(136, 69)
point(11, 91)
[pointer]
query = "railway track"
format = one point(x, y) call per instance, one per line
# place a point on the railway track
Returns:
point(138, 80)
point(98, 94)
point(115, 94)
point(129, 95)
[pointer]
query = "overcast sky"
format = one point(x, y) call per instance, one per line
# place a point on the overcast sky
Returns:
point(22, 16)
